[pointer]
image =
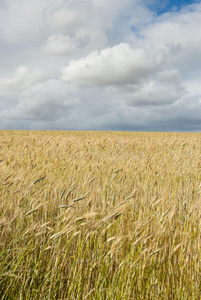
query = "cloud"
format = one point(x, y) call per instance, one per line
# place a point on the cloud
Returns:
point(45, 101)
point(23, 79)
point(21, 22)
point(112, 66)
point(154, 93)
point(64, 17)
point(165, 89)
point(179, 31)
point(135, 72)
point(60, 45)
point(122, 65)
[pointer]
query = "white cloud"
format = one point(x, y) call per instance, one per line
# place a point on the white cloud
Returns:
point(60, 45)
point(89, 39)
point(21, 21)
point(123, 67)
point(155, 93)
point(179, 31)
point(170, 77)
point(112, 66)
point(64, 18)
point(23, 79)
point(45, 101)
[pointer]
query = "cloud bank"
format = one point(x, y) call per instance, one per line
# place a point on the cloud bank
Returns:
point(99, 65)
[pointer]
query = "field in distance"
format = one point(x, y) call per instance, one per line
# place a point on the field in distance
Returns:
point(100, 215)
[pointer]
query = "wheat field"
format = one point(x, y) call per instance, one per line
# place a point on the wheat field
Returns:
point(100, 215)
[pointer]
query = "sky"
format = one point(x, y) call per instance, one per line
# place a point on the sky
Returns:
point(129, 65)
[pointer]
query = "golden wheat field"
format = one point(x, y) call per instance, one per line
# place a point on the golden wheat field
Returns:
point(100, 215)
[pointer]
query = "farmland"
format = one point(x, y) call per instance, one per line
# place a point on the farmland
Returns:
point(100, 215)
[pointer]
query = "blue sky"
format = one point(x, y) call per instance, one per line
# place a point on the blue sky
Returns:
point(100, 65)
point(163, 6)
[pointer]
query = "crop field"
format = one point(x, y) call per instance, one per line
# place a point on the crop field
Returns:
point(100, 215)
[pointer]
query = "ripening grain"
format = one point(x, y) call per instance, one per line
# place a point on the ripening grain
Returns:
point(100, 215)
